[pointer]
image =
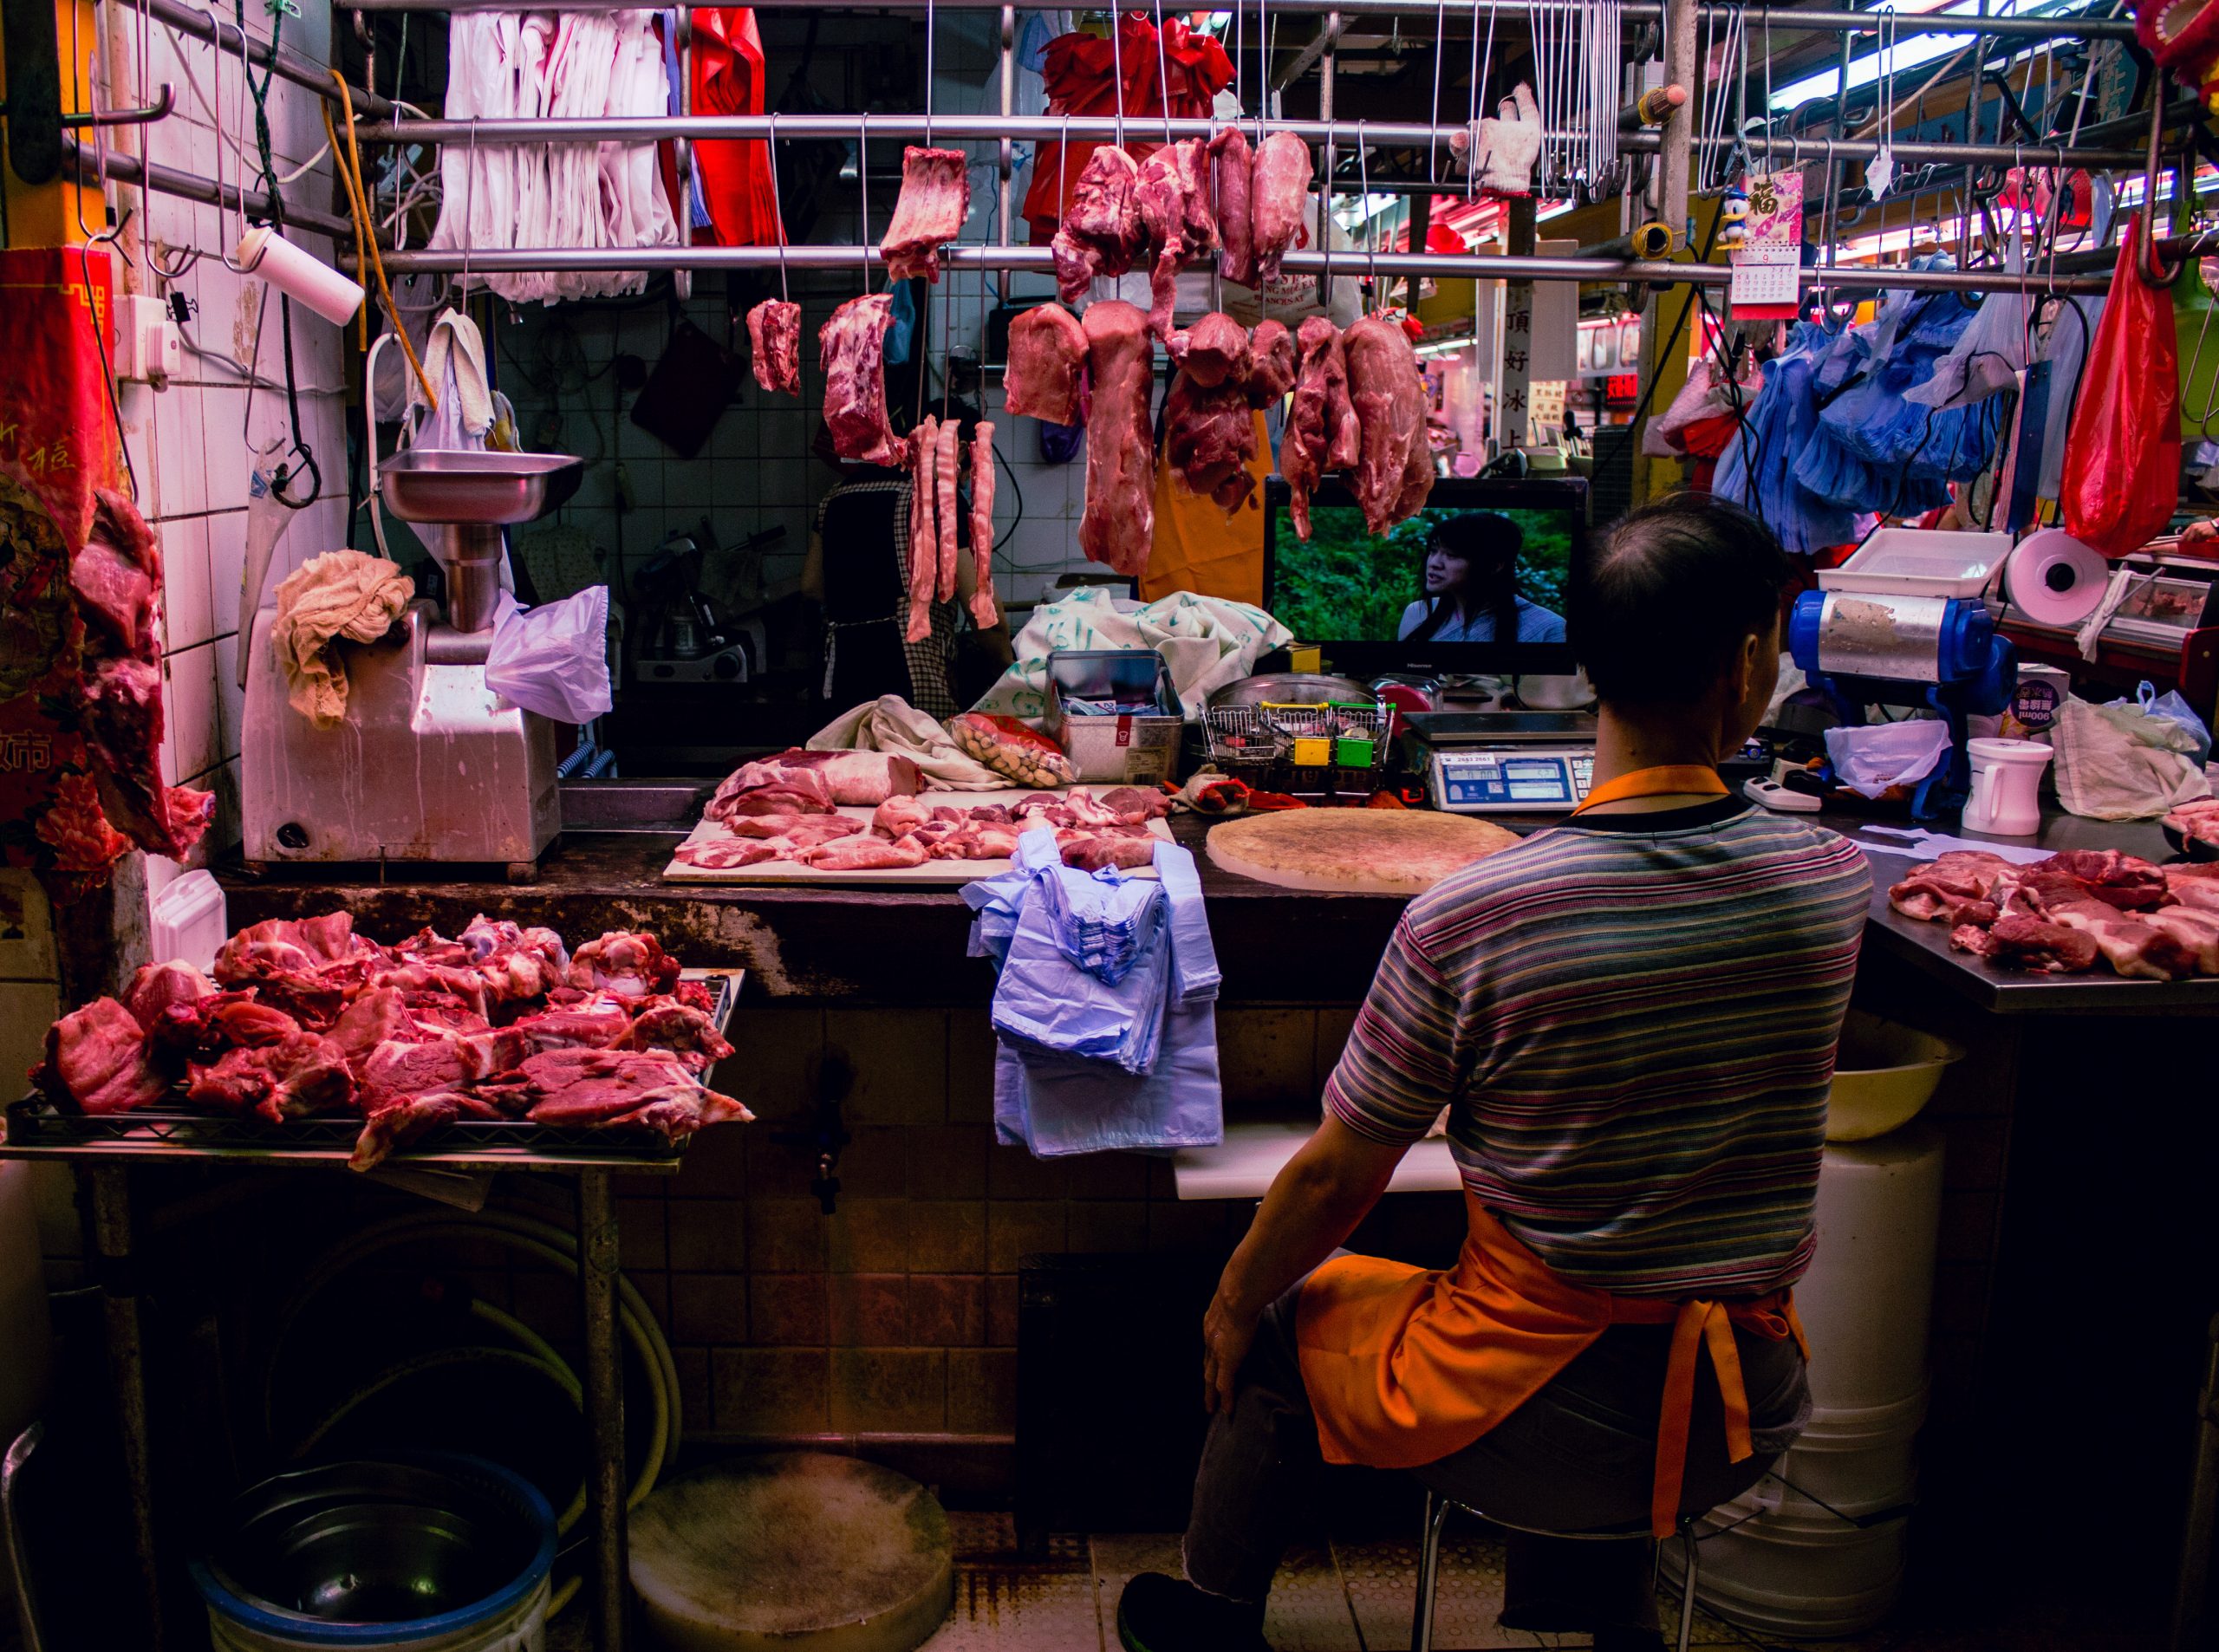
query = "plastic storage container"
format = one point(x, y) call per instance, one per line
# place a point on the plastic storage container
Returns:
point(1121, 747)
point(1870, 1291)
point(1808, 1575)
point(1883, 1074)
point(1916, 561)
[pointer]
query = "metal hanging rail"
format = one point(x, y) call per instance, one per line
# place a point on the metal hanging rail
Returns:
point(1040, 261)
point(120, 168)
point(191, 20)
point(1104, 129)
point(1828, 21)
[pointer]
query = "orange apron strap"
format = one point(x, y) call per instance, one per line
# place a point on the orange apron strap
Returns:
point(1795, 1325)
point(1726, 1360)
point(1677, 1416)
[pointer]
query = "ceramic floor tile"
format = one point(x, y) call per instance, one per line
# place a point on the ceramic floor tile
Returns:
point(1382, 1577)
point(1006, 1601)
point(1309, 1607)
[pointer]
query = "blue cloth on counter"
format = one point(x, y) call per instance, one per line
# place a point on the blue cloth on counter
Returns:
point(1105, 1006)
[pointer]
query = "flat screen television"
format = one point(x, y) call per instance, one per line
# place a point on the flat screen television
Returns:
point(1474, 583)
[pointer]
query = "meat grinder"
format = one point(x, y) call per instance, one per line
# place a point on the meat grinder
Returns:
point(431, 764)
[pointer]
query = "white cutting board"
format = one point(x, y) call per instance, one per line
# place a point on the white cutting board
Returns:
point(937, 874)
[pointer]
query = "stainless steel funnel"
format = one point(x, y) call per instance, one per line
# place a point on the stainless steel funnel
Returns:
point(471, 497)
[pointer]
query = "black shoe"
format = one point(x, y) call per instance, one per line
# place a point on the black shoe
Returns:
point(1161, 1614)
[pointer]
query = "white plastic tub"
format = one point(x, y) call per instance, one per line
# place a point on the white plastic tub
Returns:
point(1858, 1462)
point(1867, 1298)
point(1805, 1574)
point(1919, 561)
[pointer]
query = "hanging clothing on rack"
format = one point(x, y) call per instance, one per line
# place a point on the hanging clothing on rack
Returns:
point(735, 172)
point(1080, 72)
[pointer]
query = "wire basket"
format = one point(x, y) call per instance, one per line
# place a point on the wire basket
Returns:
point(1319, 747)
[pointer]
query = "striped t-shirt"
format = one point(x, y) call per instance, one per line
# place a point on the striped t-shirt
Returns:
point(1632, 1019)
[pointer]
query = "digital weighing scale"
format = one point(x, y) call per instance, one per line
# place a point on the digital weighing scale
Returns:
point(1503, 762)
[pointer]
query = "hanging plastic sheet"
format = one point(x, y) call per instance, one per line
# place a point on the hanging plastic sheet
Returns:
point(1758, 467)
point(2123, 458)
point(735, 172)
point(1989, 355)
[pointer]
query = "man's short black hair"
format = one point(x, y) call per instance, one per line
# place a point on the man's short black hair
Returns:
point(1670, 594)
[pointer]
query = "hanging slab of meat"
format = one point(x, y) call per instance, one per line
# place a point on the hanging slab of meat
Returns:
point(1278, 200)
point(947, 475)
point(1271, 363)
point(114, 580)
point(1102, 233)
point(1209, 437)
point(852, 345)
point(924, 528)
point(1117, 527)
point(97, 1062)
point(985, 614)
point(935, 200)
point(774, 341)
point(1394, 470)
point(1173, 193)
point(1321, 433)
point(1212, 351)
point(1231, 164)
point(1047, 357)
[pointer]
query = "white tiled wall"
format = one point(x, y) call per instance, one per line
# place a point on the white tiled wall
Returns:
point(189, 442)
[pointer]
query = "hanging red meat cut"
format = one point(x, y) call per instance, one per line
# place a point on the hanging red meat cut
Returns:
point(1212, 351)
point(1271, 363)
point(985, 614)
point(1174, 195)
point(924, 528)
point(1102, 233)
point(1321, 433)
point(1278, 196)
point(935, 200)
point(947, 475)
point(1047, 359)
point(115, 579)
point(852, 345)
point(1394, 470)
point(1231, 164)
point(774, 339)
point(1118, 525)
point(1209, 438)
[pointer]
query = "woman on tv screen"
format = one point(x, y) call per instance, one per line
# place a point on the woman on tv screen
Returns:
point(1471, 587)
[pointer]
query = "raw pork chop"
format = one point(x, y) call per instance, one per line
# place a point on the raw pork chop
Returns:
point(2015, 941)
point(301, 1073)
point(924, 528)
point(1047, 355)
point(1321, 433)
point(770, 789)
point(2130, 944)
point(852, 345)
point(1117, 527)
point(1173, 196)
point(97, 1062)
point(675, 1029)
point(571, 1087)
point(1395, 469)
point(1091, 851)
point(157, 986)
point(632, 964)
point(1212, 351)
point(935, 200)
point(728, 856)
point(1954, 881)
point(1209, 438)
point(985, 614)
point(1278, 196)
point(1102, 233)
point(1229, 165)
point(774, 340)
point(2196, 885)
point(1271, 354)
point(899, 816)
point(864, 854)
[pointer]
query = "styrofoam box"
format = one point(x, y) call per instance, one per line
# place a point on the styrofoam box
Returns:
point(1916, 561)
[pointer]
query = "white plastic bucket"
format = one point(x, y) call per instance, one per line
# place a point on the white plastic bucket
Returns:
point(1869, 1295)
point(1857, 1461)
point(1799, 1573)
point(523, 1628)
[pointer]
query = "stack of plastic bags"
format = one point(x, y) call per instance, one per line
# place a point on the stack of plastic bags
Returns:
point(1104, 1013)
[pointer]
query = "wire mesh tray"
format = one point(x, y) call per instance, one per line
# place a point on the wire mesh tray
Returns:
point(1244, 739)
point(35, 1122)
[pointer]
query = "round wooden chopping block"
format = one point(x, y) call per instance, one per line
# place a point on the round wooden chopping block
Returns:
point(798, 1550)
point(1354, 851)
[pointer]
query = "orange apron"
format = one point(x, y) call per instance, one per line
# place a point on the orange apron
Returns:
point(1404, 1366)
point(1198, 548)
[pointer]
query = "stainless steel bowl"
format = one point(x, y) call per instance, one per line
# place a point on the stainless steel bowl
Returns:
point(380, 1543)
point(1290, 688)
point(485, 489)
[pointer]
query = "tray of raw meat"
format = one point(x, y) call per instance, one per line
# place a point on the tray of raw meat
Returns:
point(858, 818)
point(309, 1036)
point(2063, 915)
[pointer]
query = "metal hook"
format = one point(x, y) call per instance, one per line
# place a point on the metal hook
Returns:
point(2146, 263)
point(862, 190)
point(1370, 240)
point(155, 111)
point(778, 211)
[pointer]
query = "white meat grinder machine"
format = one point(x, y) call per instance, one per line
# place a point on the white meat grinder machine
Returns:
point(431, 765)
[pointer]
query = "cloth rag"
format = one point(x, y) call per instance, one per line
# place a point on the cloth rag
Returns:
point(1206, 641)
point(341, 596)
point(891, 724)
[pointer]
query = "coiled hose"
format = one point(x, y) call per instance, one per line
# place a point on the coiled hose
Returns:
point(528, 1236)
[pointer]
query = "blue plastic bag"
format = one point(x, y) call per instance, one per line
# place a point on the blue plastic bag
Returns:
point(2170, 706)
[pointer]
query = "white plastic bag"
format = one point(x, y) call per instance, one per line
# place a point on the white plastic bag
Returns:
point(2118, 762)
point(554, 658)
point(1869, 760)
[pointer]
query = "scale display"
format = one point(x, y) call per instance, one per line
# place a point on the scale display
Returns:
point(1511, 782)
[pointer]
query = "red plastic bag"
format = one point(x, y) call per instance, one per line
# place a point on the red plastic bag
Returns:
point(2123, 454)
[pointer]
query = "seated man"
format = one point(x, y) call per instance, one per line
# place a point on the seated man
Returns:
point(1631, 1020)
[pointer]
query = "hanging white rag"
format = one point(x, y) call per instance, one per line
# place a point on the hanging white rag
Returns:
point(455, 359)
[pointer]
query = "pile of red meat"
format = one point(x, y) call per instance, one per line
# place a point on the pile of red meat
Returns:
point(786, 808)
point(307, 1017)
point(2159, 923)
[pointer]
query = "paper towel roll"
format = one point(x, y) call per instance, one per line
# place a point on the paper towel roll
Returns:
point(263, 253)
point(2053, 579)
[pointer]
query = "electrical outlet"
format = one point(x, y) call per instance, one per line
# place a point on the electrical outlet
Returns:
point(148, 347)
